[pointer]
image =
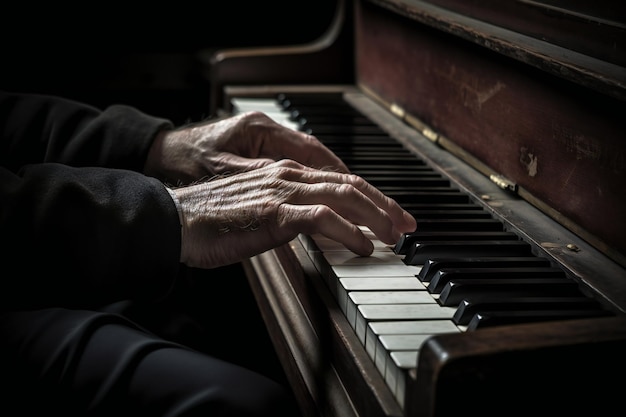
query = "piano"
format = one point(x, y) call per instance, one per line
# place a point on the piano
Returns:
point(499, 126)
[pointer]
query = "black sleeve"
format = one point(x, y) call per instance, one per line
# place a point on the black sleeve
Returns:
point(82, 235)
point(38, 128)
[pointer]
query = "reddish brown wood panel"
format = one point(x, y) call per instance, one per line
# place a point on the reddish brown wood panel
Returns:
point(596, 29)
point(561, 142)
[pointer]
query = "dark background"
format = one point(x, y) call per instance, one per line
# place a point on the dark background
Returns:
point(151, 58)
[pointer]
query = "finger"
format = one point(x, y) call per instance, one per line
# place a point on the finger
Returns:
point(313, 219)
point(354, 206)
point(401, 219)
point(303, 148)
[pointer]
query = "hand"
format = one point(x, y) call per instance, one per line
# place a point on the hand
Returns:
point(239, 143)
point(234, 217)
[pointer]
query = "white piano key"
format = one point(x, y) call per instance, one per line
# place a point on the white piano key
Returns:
point(380, 284)
point(391, 297)
point(378, 356)
point(378, 257)
point(345, 285)
point(392, 344)
point(396, 372)
point(255, 103)
point(268, 106)
point(356, 298)
point(389, 312)
point(308, 242)
point(328, 260)
point(325, 244)
point(323, 240)
point(404, 327)
point(413, 327)
point(373, 270)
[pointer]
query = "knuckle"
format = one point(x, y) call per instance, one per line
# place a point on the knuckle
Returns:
point(310, 139)
point(356, 181)
point(346, 189)
point(320, 212)
point(287, 164)
point(254, 115)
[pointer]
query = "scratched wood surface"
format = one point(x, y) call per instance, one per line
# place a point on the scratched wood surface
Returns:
point(561, 141)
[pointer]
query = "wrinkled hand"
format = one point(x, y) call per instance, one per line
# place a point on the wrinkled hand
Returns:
point(231, 218)
point(239, 143)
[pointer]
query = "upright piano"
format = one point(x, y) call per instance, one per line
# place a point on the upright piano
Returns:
point(499, 124)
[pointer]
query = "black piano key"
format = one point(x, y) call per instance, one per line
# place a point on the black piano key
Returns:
point(344, 130)
point(322, 99)
point(450, 214)
point(478, 305)
point(386, 171)
point(445, 275)
point(409, 181)
point(304, 111)
point(406, 193)
point(431, 266)
point(407, 240)
point(417, 168)
point(441, 206)
point(382, 160)
point(371, 153)
point(360, 142)
point(432, 197)
point(373, 148)
point(312, 105)
point(489, 224)
point(355, 141)
point(317, 98)
point(500, 318)
point(334, 120)
point(419, 253)
point(414, 173)
point(456, 291)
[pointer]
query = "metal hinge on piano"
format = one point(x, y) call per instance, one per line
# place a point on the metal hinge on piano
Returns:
point(470, 313)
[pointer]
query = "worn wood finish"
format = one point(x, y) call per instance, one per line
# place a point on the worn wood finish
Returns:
point(561, 368)
point(536, 33)
point(596, 29)
point(563, 144)
point(328, 367)
point(328, 59)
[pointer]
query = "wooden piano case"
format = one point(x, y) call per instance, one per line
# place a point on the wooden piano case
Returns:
point(531, 96)
point(544, 118)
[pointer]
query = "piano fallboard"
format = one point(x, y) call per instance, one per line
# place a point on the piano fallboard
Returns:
point(320, 330)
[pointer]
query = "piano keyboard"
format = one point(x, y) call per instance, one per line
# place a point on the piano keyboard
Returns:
point(459, 272)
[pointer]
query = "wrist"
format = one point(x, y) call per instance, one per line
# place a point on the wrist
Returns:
point(179, 209)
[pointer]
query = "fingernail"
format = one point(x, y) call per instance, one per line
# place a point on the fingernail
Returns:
point(408, 218)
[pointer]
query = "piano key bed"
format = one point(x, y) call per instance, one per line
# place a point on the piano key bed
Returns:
point(462, 270)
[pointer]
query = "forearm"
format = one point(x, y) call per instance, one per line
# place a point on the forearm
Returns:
point(86, 236)
point(36, 128)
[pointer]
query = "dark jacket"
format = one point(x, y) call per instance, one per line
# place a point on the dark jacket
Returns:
point(80, 225)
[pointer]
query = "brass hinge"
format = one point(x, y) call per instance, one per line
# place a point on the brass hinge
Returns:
point(426, 131)
point(503, 182)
